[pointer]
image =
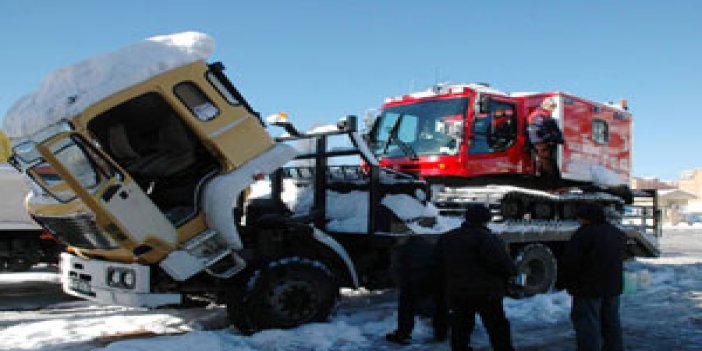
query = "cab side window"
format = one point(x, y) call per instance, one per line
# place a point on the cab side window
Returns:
point(494, 131)
point(197, 102)
point(600, 131)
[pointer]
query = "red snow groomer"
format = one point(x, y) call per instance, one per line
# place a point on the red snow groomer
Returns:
point(472, 135)
point(471, 143)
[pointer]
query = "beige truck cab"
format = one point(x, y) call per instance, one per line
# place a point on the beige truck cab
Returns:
point(140, 163)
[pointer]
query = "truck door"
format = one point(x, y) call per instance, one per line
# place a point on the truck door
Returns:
point(121, 207)
point(492, 133)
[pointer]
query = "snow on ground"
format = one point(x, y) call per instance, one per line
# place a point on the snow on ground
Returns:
point(665, 315)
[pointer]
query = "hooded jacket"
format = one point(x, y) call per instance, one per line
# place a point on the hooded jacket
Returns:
point(592, 261)
point(473, 261)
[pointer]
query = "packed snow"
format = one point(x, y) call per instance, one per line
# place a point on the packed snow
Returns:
point(348, 212)
point(68, 91)
point(663, 311)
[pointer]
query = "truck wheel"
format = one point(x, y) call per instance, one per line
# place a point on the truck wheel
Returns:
point(538, 263)
point(285, 293)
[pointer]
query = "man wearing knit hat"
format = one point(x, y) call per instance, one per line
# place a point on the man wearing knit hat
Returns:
point(476, 268)
point(592, 269)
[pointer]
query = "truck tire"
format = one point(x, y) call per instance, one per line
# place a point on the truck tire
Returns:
point(538, 263)
point(284, 293)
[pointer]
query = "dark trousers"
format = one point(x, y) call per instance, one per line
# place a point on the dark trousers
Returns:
point(491, 311)
point(407, 309)
point(546, 156)
point(596, 323)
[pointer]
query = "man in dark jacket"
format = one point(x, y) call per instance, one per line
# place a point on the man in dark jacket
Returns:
point(544, 136)
point(476, 268)
point(414, 270)
point(592, 267)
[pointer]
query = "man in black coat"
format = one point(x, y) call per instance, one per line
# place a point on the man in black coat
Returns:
point(414, 270)
point(476, 268)
point(592, 267)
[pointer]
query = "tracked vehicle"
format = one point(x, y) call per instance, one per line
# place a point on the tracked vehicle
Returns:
point(470, 142)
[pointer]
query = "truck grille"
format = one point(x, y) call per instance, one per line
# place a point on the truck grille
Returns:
point(79, 231)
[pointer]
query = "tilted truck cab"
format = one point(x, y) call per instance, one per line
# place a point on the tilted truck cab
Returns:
point(143, 161)
point(142, 171)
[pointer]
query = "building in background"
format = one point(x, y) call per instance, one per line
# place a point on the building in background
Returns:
point(651, 183)
point(673, 201)
point(691, 182)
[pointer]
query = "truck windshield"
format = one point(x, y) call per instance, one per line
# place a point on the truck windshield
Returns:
point(425, 128)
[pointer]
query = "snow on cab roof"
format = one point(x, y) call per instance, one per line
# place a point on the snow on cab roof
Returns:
point(68, 91)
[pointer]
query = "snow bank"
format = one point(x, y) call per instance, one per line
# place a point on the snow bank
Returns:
point(199, 340)
point(32, 335)
point(407, 207)
point(540, 309)
point(68, 91)
point(348, 212)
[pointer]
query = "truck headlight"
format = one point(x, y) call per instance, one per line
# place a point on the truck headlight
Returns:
point(113, 277)
point(118, 277)
point(128, 279)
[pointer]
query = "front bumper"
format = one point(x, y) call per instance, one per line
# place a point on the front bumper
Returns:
point(90, 279)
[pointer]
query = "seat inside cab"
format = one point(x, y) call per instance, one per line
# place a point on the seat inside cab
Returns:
point(148, 139)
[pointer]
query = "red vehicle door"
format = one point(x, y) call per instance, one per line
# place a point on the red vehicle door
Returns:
point(495, 139)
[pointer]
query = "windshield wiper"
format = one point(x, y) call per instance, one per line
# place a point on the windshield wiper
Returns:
point(393, 137)
point(406, 149)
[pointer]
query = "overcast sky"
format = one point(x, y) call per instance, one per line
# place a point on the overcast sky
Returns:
point(321, 60)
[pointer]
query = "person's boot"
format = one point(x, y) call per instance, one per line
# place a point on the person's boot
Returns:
point(398, 337)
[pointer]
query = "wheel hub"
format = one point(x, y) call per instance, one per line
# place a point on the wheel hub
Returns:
point(535, 272)
point(293, 300)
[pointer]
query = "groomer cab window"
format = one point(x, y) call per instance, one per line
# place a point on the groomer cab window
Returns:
point(196, 101)
point(494, 127)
